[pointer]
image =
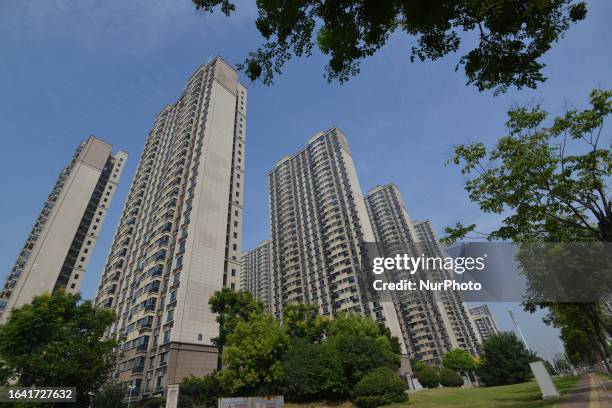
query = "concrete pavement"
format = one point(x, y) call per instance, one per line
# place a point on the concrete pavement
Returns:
point(590, 392)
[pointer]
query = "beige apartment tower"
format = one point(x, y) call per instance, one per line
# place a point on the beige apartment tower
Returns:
point(463, 327)
point(484, 321)
point(58, 248)
point(425, 323)
point(179, 236)
point(256, 273)
point(319, 231)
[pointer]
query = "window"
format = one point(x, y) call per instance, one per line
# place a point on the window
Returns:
point(76, 276)
point(233, 270)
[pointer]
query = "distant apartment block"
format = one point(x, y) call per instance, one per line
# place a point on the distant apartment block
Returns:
point(484, 321)
point(462, 325)
point(319, 227)
point(425, 324)
point(57, 250)
point(179, 236)
point(256, 273)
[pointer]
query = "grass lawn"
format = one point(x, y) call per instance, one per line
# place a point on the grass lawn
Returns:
point(524, 395)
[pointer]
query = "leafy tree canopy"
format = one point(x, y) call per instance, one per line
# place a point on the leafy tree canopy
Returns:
point(459, 360)
point(111, 395)
point(231, 308)
point(417, 365)
point(303, 320)
point(56, 341)
point(200, 391)
point(353, 324)
point(512, 35)
point(313, 371)
point(350, 324)
point(252, 356)
point(360, 354)
point(548, 183)
point(504, 360)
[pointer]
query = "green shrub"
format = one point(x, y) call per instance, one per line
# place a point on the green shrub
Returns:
point(360, 354)
point(428, 377)
point(417, 365)
point(381, 386)
point(504, 360)
point(450, 378)
point(153, 402)
point(313, 371)
point(110, 395)
point(200, 391)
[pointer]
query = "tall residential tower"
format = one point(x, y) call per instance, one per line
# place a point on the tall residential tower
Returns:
point(179, 236)
point(256, 273)
point(484, 321)
point(58, 248)
point(320, 227)
point(462, 324)
point(425, 324)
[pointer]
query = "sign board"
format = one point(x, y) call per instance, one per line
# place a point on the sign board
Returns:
point(172, 396)
point(277, 401)
point(544, 381)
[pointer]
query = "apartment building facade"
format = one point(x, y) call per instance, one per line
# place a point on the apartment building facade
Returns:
point(466, 334)
point(319, 228)
point(59, 245)
point(256, 273)
point(424, 321)
point(484, 321)
point(179, 237)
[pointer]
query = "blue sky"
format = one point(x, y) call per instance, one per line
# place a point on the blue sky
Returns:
point(71, 69)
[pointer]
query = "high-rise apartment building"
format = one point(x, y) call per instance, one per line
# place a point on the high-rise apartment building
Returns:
point(319, 231)
point(256, 273)
point(462, 325)
point(425, 324)
point(484, 321)
point(179, 236)
point(58, 248)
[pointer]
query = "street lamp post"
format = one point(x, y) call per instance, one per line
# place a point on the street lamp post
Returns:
point(131, 388)
point(519, 329)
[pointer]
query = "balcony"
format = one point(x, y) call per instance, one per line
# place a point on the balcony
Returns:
point(137, 370)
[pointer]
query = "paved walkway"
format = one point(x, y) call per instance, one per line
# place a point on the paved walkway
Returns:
point(590, 392)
